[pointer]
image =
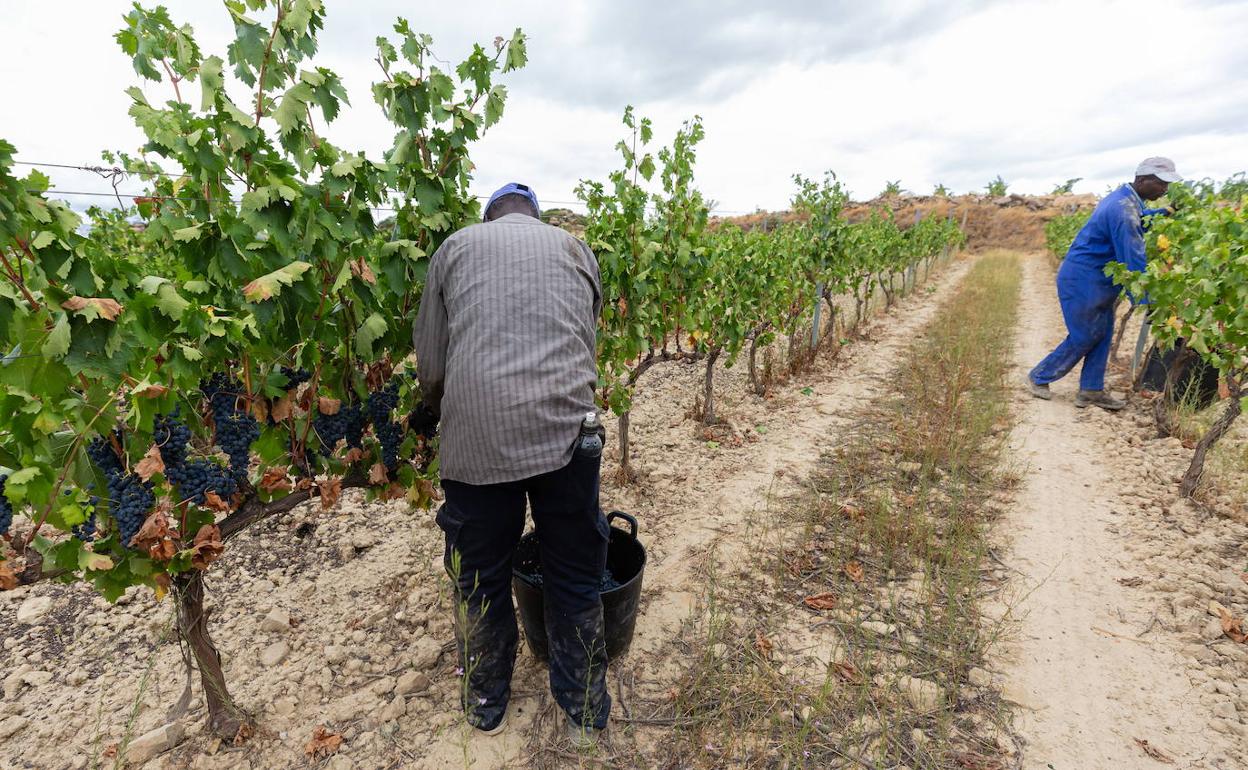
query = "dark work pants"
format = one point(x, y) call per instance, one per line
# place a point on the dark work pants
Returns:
point(1087, 298)
point(483, 523)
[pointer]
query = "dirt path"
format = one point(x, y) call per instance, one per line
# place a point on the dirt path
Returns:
point(1089, 671)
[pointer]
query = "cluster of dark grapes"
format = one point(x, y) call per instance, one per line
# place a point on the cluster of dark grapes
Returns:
point(194, 478)
point(347, 424)
point(6, 508)
point(171, 436)
point(381, 403)
point(86, 530)
point(130, 497)
point(237, 430)
point(296, 377)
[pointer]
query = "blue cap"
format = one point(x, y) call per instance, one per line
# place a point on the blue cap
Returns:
point(514, 188)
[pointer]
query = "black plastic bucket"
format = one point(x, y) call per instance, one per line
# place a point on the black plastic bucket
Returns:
point(626, 559)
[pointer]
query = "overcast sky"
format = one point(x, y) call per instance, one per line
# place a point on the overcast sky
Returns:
point(956, 91)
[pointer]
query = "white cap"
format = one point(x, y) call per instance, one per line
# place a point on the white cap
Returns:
point(1162, 168)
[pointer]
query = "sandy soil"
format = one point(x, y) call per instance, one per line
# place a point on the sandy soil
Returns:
point(1114, 644)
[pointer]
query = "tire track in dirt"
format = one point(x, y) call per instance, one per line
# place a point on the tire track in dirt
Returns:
point(1088, 682)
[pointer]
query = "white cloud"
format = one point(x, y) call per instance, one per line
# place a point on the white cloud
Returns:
point(922, 92)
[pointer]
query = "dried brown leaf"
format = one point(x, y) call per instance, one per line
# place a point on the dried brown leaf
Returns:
point(275, 479)
point(213, 502)
point(354, 455)
point(1232, 626)
point(394, 491)
point(151, 464)
point(851, 510)
point(8, 578)
point(151, 390)
point(847, 672)
point(323, 743)
point(821, 601)
point(331, 490)
point(328, 406)
point(283, 408)
point(377, 474)
point(108, 309)
point(361, 270)
point(157, 537)
point(245, 731)
point(260, 409)
point(1154, 752)
point(854, 571)
point(304, 483)
point(208, 546)
point(763, 645)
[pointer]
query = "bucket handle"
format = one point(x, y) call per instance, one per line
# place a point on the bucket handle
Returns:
point(632, 522)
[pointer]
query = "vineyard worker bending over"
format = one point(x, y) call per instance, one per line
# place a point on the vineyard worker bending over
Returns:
point(505, 346)
point(1115, 231)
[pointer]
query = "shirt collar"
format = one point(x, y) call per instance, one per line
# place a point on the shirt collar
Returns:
point(1139, 201)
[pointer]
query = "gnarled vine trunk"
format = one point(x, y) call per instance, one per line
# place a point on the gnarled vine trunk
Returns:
point(1220, 427)
point(756, 382)
point(225, 719)
point(1122, 330)
point(708, 389)
point(626, 467)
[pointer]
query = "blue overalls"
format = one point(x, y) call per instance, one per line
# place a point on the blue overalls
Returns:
point(1115, 231)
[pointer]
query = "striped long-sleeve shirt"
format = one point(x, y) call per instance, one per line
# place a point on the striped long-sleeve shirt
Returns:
point(505, 346)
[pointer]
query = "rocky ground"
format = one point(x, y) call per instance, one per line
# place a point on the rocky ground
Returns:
point(339, 619)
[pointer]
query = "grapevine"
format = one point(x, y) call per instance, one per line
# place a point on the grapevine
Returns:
point(260, 291)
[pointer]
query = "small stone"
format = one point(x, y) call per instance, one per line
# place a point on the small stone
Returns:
point(274, 654)
point(340, 762)
point(335, 654)
point(412, 682)
point(1211, 630)
point(38, 678)
point(919, 738)
point(425, 653)
point(922, 694)
point(396, 709)
point(979, 677)
point(284, 707)
point(879, 627)
point(1224, 709)
point(264, 587)
point(909, 467)
point(12, 726)
point(150, 744)
point(276, 622)
point(34, 609)
point(13, 682)
point(383, 686)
